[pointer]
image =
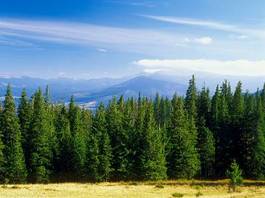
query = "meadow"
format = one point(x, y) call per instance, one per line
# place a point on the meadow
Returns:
point(164, 189)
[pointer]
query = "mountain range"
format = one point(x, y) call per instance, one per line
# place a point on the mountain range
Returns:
point(90, 92)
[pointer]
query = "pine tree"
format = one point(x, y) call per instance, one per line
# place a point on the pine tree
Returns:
point(64, 163)
point(15, 168)
point(2, 158)
point(182, 158)
point(258, 149)
point(25, 115)
point(119, 141)
point(50, 118)
point(237, 113)
point(153, 156)
point(40, 151)
point(204, 105)
point(191, 99)
point(191, 108)
point(206, 148)
point(99, 148)
point(129, 119)
point(79, 143)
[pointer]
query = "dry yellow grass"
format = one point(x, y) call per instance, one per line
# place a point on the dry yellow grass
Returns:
point(165, 189)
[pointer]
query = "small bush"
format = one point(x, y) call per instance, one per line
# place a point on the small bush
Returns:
point(235, 176)
point(198, 194)
point(177, 195)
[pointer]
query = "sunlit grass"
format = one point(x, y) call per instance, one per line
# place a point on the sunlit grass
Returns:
point(162, 189)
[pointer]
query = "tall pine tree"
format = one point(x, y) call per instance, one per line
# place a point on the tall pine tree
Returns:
point(15, 168)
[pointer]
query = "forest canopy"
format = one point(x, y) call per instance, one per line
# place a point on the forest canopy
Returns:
point(196, 136)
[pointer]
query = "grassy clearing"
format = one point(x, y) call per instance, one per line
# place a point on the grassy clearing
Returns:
point(165, 189)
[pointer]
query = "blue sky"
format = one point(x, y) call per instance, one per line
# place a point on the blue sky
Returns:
point(114, 38)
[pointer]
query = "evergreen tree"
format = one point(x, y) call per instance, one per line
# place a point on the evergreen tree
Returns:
point(64, 163)
point(2, 158)
point(258, 158)
point(182, 158)
point(191, 108)
point(15, 168)
point(119, 141)
point(79, 143)
point(99, 149)
point(40, 151)
point(206, 148)
point(204, 105)
point(191, 99)
point(153, 155)
point(25, 115)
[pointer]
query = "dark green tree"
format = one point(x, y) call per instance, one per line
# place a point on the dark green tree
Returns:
point(64, 163)
point(182, 156)
point(99, 148)
point(119, 141)
point(153, 155)
point(206, 149)
point(40, 150)
point(25, 116)
point(15, 168)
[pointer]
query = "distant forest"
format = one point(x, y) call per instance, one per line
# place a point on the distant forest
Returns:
point(196, 136)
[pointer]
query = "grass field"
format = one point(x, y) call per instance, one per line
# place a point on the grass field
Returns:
point(165, 189)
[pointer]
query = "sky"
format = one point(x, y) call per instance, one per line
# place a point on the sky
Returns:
point(86, 39)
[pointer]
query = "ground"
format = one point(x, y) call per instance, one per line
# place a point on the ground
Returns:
point(164, 189)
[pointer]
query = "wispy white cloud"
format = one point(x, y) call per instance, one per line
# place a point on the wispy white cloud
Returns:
point(204, 40)
point(215, 25)
point(200, 40)
point(226, 67)
point(102, 50)
point(101, 37)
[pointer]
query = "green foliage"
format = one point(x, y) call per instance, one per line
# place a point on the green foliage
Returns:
point(144, 139)
point(99, 153)
point(153, 155)
point(183, 159)
point(235, 175)
point(206, 148)
point(40, 151)
point(25, 116)
point(119, 140)
point(177, 195)
point(14, 162)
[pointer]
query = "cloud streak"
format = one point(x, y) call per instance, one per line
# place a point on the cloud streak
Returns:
point(100, 37)
point(215, 25)
point(225, 67)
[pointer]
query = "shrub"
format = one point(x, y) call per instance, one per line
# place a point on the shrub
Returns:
point(177, 195)
point(235, 176)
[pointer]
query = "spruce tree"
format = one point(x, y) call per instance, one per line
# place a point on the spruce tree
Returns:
point(40, 150)
point(182, 156)
point(15, 168)
point(99, 148)
point(25, 115)
point(153, 155)
point(258, 149)
point(206, 149)
point(119, 141)
point(64, 163)
point(2, 158)
point(191, 108)
point(79, 143)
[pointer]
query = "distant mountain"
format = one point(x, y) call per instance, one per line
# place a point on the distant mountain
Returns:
point(90, 92)
point(61, 88)
point(144, 85)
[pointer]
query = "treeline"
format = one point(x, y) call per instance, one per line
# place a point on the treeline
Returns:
point(198, 135)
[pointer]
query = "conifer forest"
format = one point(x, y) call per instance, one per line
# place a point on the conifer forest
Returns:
point(197, 136)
